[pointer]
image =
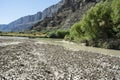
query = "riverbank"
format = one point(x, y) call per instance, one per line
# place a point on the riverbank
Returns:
point(23, 34)
point(77, 46)
point(113, 44)
point(35, 60)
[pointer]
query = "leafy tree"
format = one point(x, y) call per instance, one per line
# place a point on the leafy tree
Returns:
point(99, 20)
point(116, 16)
point(99, 26)
point(95, 24)
point(76, 32)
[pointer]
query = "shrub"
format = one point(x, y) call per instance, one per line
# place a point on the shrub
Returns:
point(51, 35)
point(0, 31)
point(61, 33)
point(58, 34)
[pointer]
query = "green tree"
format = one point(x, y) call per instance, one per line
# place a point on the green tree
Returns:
point(116, 16)
point(76, 32)
point(96, 23)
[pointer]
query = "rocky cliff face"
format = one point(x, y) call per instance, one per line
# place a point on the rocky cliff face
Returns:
point(49, 12)
point(22, 24)
point(25, 23)
point(70, 12)
point(61, 15)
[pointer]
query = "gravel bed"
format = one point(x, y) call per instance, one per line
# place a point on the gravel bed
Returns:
point(30, 60)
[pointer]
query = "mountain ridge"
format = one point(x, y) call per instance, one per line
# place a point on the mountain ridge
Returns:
point(71, 12)
point(26, 22)
point(60, 15)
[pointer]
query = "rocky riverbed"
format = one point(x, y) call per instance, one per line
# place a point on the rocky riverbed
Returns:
point(27, 59)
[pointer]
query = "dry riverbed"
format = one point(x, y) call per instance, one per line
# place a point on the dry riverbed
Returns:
point(25, 59)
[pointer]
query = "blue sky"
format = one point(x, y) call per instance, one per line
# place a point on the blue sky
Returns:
point(11, 10)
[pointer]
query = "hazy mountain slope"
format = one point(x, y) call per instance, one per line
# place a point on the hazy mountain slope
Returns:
point(25, 23)
point(3, 27)
point(71, 12)
point(22, 24)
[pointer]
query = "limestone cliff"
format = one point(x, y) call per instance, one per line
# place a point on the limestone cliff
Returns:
point(26, 22)
point(61, 15)
point(70, 12)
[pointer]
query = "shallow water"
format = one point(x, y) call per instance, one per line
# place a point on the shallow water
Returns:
point(9, 37)
point(9, 43)
point(76, 47)
point(6, 40)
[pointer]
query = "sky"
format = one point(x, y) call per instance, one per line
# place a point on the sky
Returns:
point(11, 10)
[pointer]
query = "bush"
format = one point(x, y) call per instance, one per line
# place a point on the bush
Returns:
point(51, 35)
point(58, 34)
point(61, 33)
point(0, 31)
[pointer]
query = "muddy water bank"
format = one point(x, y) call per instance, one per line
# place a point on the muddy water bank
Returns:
point(76, 47)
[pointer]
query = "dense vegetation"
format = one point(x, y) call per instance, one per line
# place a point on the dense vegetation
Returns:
point(36, 34)
point(100, 22)
point(30, 34)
